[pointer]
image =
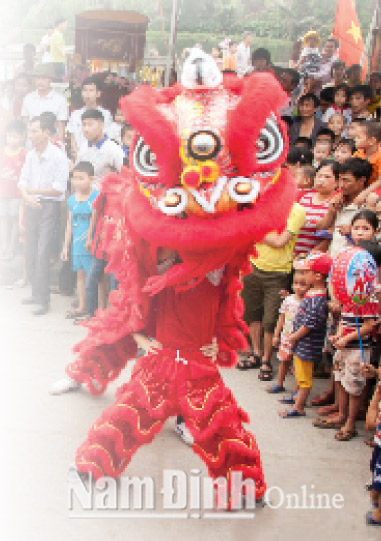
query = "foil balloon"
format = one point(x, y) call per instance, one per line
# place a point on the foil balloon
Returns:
point(353, 277)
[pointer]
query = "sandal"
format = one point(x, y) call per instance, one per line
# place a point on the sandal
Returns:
point(345, 435)
point(327, 423)
point(285, 414)
point(289, 400)
point(265, 375)
point(275, 389)
point(251, 361)
point(74, 314)
point(370, 520)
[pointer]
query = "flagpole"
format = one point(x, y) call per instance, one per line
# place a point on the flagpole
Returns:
point(171, 43)
point(369, 38)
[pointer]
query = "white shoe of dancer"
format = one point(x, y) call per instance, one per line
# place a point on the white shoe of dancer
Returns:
point(182, 431)
point(64, 385)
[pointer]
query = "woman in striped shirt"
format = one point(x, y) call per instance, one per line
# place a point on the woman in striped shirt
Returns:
point(316, 203)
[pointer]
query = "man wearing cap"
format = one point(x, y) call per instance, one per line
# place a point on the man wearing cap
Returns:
point(310, 325)
point(243, 64)
point(45, 99)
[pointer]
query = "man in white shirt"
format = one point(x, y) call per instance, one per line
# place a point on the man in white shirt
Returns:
point(43, 183)
point(98, 149)
point(91, 92)
point(44, 99)
point(244, 66)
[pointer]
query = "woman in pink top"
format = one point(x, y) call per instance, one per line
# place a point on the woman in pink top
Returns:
point(316, 203)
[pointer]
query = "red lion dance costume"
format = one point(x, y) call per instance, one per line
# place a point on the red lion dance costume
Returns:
point(205, 181)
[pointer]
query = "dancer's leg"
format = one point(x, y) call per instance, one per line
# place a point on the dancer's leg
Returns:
point(137, 415)
point(215, 421)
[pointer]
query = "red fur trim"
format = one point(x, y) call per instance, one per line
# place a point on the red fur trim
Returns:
point(234, 229)
point(140, 110)
point(262, 95)
point(233, 83)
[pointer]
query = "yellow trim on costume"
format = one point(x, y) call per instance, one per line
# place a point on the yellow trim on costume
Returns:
point(205, 400)
point(148, 396)
point(99, 446)
point(144, 432)
point(276, 176)
point(213, 460)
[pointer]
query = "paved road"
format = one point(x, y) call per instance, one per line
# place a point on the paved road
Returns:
point(43, 432)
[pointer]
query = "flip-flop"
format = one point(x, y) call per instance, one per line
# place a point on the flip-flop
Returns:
point(326, 423)
point(275, 389)
point(289, 400)
point(345, 435)
point(370, 520)
point(291, 413)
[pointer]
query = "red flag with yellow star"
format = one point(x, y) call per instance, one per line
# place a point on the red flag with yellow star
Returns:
point(347, 31)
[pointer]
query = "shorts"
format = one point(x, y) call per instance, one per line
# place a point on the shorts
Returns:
point(375, 468)
point(261, 296)
point(9, 206)
point(284, 351)
point(347, 365)
point(80, 262)
point(304, 372)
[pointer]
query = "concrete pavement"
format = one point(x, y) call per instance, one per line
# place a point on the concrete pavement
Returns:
point(41, 434)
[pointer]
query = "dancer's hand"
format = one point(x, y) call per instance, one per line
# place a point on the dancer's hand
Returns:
point(147, 345)
point(211, 350)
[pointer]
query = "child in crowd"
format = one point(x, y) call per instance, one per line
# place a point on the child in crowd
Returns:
point(322, 151)
point(310, 323)
point(310, 58)
point(326, 135)
point(12, 157)
point(80, 205)
point(359, 102)
point(351, 130)
point(348, 359)
point(304, 179)
point(344, 150)
point(368, 143)
point(114, 132)
point(373, 422)
point(297, 157)
point(127, 134)
point(337, 124)
point(284, 329)
point(340, 104)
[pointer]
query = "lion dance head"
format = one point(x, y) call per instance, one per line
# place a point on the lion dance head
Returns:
point(206, 160)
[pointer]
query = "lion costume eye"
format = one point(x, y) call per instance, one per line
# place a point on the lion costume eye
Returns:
point(270, 144)
point(145, 159)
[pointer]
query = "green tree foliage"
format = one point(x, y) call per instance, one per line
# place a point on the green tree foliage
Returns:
point(268, 19)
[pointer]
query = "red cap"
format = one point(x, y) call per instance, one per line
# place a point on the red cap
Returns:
point(317, 261)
